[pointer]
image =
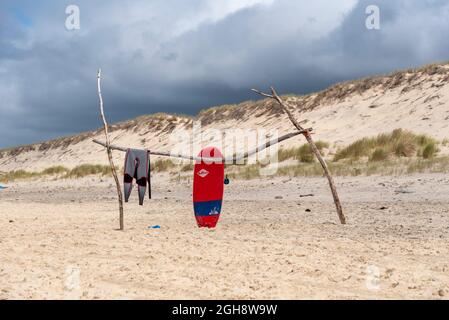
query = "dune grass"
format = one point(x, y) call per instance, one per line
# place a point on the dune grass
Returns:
point(24, 174)
point(58, 171)
point(80, 171)
point(55, 170)
point(303, 154)
point(380, 154)
point(398, 143)
point(393, 167)
point(246, 172)
point(187, 167)
point(162, 165)
point(395, 153)
point(88, 169)
point(17, 175)
point(430, 150)
point(445, 142)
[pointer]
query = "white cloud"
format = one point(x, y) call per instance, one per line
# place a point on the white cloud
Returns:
point(214, 11)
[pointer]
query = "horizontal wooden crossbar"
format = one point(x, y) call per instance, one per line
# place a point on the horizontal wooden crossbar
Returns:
point(235, 159)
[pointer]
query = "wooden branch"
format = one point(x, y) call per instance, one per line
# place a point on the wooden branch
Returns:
point(246, 155)
point(263, 94)
point(234, 159)
point(160, 153)
point(286, 108)
point(109, 152)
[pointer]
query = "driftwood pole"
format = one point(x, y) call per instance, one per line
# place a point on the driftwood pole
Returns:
point(234, 159)
point(109, 151)
point(307, 135)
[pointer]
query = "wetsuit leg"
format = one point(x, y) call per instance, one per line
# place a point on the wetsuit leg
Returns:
point(141, 172)
point(130, 171)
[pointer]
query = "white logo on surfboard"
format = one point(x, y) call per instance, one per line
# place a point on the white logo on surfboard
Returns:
point(214, 212)
point(202, 173)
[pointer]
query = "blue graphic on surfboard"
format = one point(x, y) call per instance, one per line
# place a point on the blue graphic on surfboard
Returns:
point(208, 188)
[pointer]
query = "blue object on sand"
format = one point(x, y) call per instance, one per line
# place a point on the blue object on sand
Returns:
point(2, 187)
point(154, 227)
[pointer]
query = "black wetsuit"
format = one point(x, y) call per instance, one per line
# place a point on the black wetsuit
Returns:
point(137, 166)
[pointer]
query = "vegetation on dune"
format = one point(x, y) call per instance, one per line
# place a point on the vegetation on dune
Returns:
point(247, 172)
point(187, 167)
point(78, 171)
point(88, 169)
point(302, 154)
point(337, 92)
point(59, 171)
point(17, 174)
point(55, 170)
point(162, 165)
point(399, 143)
point(380, 154)
point(395, 153)
point(394, 167)
point(445, 142)
point(430, 151)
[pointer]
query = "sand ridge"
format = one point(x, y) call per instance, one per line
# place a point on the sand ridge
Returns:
point(417, 100)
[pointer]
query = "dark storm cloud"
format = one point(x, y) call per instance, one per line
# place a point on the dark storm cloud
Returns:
point(181, 56)
point(412, 33)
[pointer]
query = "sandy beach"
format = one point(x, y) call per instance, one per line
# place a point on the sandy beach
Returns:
point(274, 240)
point(326, 123)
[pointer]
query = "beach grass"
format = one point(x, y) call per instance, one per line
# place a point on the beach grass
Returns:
point(398, 143)
point(395, 153)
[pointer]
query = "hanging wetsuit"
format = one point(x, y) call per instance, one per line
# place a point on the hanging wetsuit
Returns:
point(137, 166)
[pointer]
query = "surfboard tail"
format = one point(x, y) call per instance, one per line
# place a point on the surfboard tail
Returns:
point(207, 213)
point(207, 222)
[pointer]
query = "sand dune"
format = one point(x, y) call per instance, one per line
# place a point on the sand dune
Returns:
point(415, 99)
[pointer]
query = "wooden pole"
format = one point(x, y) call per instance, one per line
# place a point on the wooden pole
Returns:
point(109, 152)
point(315, 150)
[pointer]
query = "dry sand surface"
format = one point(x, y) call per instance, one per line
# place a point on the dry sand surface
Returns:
point(58, 240)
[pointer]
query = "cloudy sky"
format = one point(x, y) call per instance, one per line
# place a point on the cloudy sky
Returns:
point(185, 55)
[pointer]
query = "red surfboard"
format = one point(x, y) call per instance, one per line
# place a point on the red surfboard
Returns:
point(208, 188)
